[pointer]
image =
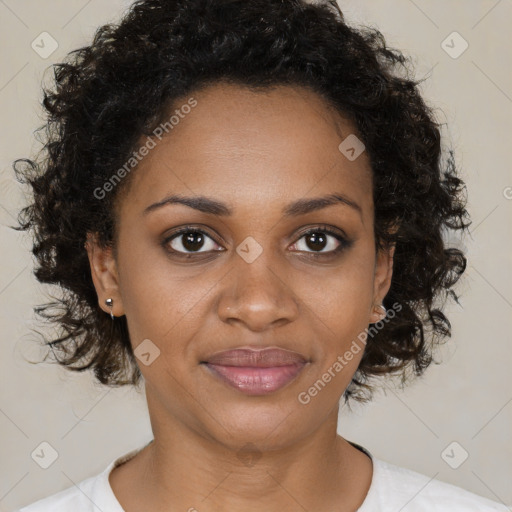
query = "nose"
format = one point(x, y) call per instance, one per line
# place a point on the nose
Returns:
point(258, 296)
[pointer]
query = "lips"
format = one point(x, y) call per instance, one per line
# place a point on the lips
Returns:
point(262, 358)
point(256, 372)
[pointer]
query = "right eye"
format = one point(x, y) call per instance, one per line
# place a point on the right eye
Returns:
point(189, 241)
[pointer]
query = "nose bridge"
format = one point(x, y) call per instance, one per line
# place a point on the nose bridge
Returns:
point(257, 293)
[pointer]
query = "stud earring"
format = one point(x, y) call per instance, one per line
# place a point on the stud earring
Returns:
point(110, 304)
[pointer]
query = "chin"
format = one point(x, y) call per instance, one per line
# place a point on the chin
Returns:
point(268, 426)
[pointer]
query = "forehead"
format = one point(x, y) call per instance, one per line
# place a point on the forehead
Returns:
point(247, 148)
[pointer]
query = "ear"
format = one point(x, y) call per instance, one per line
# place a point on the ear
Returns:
point(382, 280)
point(104, 275)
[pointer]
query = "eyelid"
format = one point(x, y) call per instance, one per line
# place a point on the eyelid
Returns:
point(324, 228)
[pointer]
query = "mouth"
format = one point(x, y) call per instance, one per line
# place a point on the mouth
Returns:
point(256, 372)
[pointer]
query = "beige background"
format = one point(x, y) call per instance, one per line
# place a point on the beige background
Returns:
point(467, 399)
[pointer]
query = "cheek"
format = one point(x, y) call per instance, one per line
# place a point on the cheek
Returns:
point(340, 308)
point(344, 320)
point(342, 301)
point(162, 302)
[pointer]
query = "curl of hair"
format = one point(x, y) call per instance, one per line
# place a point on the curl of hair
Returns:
point(106, 95)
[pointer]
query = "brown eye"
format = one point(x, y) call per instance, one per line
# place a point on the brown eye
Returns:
point(321, 241)
point(190, 241)
point(317, 241)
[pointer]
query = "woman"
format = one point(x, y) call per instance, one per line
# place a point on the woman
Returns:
point(243, 203)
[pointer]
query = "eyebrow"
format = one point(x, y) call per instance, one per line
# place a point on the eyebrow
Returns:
point(214, 207)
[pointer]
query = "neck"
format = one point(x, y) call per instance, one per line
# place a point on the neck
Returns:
point(182, 467)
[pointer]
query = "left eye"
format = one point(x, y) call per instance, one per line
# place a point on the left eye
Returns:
point(318, 239)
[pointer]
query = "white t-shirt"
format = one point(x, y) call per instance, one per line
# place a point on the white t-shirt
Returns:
point(392, 489)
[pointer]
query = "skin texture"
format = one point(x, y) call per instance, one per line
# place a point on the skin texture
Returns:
point(257, 152)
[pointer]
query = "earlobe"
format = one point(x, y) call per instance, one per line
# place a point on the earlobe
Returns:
point(104, 275)
point(382, 282)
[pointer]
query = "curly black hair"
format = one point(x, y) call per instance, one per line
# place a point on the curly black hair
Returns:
point(106, 96)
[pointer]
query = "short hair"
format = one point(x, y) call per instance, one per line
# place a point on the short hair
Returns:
point(106, 95)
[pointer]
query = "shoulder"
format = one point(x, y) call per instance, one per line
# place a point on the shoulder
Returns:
point(90, 495)
point(410, 491)
point(72, 498)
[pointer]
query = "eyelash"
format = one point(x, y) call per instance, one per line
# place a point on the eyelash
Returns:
point(344, 243)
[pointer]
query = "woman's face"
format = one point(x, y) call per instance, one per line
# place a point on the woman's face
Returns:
point(251, 278)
